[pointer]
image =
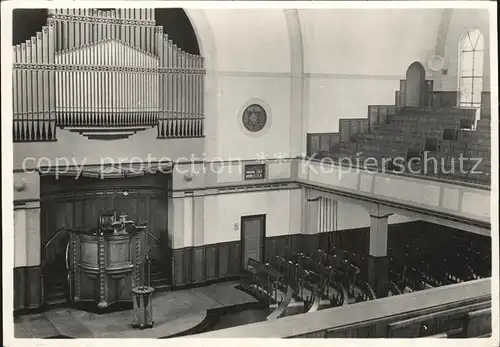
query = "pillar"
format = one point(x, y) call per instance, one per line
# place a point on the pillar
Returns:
point(378, 263)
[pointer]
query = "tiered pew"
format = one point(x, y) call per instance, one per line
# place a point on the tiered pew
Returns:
point(436, 136)
point(418, 264)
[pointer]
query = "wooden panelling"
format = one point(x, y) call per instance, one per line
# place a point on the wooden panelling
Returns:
point(444, 99)
point(322, 144)
point(20, 288)
point(223, 261)
point(198, 264)
point(211, 262)
point(178, 274)
point(27, 288)
point(234, 259)
point(485, 105)
point(350, 127)
point(449, 320)
point(378, 273)
point(429, 90)
point(309, 242)
point(478, 323)
point(397, 96)
point(378, 114)
point(187, 263)
point(402, 93)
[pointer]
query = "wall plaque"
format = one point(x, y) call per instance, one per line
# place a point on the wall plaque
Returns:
point(254, 118)
point(255, 172)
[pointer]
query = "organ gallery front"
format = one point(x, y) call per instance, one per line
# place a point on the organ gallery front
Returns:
point(105, 74)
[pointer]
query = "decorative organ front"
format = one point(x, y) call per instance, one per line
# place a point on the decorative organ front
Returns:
point(105, 74)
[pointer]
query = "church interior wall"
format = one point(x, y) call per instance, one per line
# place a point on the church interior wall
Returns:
point(348, 69)
point(343, 72)
point(462, 20)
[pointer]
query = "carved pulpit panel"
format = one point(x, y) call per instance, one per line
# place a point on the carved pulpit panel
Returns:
point(112, 259)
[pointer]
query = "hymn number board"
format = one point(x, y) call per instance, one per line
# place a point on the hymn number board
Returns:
point(255, 172)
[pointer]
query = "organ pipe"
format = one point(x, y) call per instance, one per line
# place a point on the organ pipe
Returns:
point(111, 69)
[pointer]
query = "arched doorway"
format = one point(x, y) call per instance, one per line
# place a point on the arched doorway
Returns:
point(415, 85)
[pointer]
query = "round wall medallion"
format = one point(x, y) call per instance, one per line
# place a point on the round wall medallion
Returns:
point(254, 118)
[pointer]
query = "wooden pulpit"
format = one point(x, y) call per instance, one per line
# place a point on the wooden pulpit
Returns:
point(107, 262)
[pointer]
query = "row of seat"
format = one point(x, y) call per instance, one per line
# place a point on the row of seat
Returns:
point(451, 261)
point(328, 279)
point(412, 133)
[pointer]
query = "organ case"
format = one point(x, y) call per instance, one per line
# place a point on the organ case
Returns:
point(91, 69)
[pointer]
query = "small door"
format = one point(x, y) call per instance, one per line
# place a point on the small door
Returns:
point(253, 234)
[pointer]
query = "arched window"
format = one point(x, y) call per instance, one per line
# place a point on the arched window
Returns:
point(471, 69)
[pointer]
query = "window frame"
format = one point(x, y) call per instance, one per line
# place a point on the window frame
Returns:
point(470, 103)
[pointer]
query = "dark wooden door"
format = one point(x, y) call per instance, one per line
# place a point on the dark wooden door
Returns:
point(253, 233)
point(415, 85)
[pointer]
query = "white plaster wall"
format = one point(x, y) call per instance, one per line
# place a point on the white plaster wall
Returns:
point(222, 212)
point(353, 216)
point(461, 21)
point(250, 40)
point(354, 58)
point(367, 42)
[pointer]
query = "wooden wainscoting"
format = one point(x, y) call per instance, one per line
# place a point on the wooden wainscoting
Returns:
point(446, 99)
point(222, 261)
point(204, 264)
point(27, 288)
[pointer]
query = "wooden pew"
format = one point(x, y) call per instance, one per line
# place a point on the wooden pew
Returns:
point(262, 279)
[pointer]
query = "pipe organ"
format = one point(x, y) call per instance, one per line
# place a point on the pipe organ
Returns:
point(105, 73)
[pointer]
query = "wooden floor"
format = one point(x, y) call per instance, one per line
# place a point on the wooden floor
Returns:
point(174, 312)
